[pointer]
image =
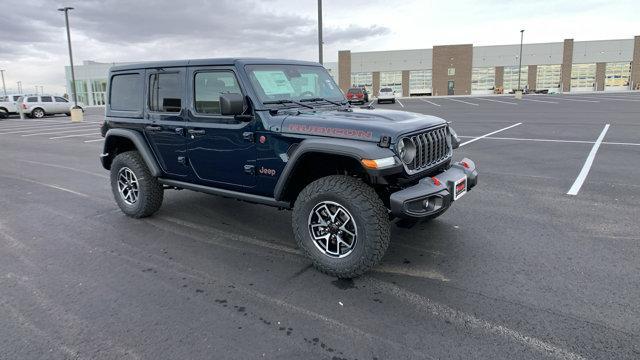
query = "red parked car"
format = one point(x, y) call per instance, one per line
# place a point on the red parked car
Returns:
point(357, 95)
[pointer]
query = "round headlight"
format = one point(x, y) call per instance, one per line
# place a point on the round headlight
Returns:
point(406, 150)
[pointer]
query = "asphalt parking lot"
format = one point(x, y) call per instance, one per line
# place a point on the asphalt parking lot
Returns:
point(522, 267)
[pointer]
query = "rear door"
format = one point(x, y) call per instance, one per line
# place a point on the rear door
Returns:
point(165, 119)
point(221, 149)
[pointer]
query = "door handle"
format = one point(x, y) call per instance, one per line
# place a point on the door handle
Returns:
point(196, 132)
point(153, 128)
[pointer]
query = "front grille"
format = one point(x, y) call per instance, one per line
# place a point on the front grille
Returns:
point(432, 147)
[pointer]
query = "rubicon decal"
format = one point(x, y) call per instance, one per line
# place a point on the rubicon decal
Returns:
point(264, 171)
point(330, 131)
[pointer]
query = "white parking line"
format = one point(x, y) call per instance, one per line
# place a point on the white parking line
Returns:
point(608, 98)
point(70, 136)
point(371, 102)
point(581, 100)
point(57, 132)
point(466, 102)
point(542, 101)
point(399, 103)
point(587, 165)
point(489, 134)
point(498, 101)
point(49, 127)
point(94, 140)
point(552, 140)
point(430, 102)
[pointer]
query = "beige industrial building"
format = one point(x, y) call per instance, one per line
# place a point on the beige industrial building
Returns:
point(567, 66)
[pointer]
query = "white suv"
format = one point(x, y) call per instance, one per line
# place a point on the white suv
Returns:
point(39, 106)
point(386, 94)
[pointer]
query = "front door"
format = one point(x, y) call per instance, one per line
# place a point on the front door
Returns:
point(220, 149)
point(165, 115)
point(450, 87)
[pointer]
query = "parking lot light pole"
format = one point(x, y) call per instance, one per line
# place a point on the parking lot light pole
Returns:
point(520, 60)
point(320, 31)
point(19, 83)
point(73, 76)
point(4, 88)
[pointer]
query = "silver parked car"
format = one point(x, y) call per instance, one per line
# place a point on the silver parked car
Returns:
point(38, 106)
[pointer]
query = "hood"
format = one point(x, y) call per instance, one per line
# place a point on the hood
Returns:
point(359, 124)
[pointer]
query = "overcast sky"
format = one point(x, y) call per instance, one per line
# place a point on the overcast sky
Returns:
point(33, 47)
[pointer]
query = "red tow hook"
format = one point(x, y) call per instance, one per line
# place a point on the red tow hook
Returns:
point(436, 182)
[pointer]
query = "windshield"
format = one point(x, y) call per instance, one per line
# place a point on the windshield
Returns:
point(293, 82)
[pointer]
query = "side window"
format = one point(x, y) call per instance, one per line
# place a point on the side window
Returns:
point(61, 99)
point(16, 97)
point(32, 99)
point(126, 92)
point(46, 99)
point(165, 93)
point(208, 88)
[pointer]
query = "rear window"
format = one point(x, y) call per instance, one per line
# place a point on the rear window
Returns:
point(355, 91)
point(126, 92)
point(386, 90)
point(46, 99)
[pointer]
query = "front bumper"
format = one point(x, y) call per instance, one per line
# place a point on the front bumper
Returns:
point(430, 196)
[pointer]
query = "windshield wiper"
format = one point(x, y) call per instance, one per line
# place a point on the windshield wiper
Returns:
point(285, 101)
point(323, 99)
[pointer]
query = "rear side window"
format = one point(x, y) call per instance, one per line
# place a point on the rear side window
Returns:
point(46, 99)
point(32, 99)
point(165, 93)
point(126, 92)
point(208, 88)
point(61, 99)
point(16, 97)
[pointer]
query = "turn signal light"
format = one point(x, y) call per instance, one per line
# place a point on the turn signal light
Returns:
point(378, 163)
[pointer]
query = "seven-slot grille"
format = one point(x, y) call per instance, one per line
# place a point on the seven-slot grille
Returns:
point(431, 148)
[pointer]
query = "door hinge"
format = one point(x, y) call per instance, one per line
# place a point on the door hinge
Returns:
point(182, 160)
point(248, 136)
point(250, 169)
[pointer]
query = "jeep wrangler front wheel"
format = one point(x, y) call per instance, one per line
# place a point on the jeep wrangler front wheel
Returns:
point(342, 225)
point(136, 191)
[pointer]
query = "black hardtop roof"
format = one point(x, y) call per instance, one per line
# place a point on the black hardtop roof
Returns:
point(206, 62)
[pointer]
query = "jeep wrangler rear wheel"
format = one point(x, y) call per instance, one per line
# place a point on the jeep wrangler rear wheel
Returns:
point(342, 225)
point(136, 191)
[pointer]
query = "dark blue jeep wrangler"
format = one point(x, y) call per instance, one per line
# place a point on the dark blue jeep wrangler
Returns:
point(279, 133)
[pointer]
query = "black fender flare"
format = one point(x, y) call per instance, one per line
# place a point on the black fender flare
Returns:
point(138, 141)
point(357, 150)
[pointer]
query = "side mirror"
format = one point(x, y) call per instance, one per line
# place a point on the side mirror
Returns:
point(455, 140)
point(231, 104)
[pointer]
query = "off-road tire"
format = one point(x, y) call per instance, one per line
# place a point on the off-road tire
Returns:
point(38, 113)
point(368, 212)
point(150, 191)
point(393, 101)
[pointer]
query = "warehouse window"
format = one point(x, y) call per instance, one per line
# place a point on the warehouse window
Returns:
point(617, 74)
point(548, 77)
point(483, 78)
point(392, 79)
point(362, 79)
point(420, 81)
point(583, 76)
point(510, 82)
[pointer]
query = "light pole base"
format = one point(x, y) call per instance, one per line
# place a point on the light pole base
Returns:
point(519, 94)
point(76, 115)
